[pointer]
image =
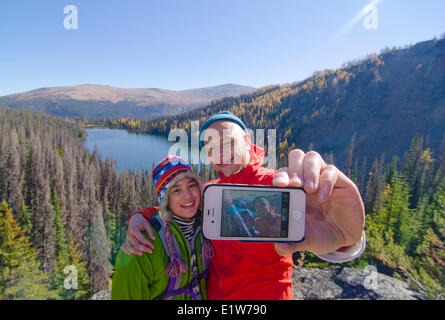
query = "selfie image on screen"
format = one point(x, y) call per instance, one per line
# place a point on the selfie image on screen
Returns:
point(255, 214)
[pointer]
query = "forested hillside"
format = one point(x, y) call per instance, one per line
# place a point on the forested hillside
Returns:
point(381, 120)
point(379, 103)
point(66, 207)
point(63, 206)
point(405, 218)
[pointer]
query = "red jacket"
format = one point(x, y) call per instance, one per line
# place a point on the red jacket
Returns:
point(248, 270)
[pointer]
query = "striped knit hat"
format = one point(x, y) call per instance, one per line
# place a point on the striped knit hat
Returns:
point(166, 173)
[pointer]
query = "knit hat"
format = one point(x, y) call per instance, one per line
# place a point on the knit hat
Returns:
point(222, 116)
point(166, 173)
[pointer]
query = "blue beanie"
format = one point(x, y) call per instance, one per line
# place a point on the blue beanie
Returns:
point(222, 116)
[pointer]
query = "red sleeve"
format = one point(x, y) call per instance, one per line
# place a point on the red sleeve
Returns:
point(148, 213)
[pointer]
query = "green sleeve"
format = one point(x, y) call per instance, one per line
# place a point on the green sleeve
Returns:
point(132, 278)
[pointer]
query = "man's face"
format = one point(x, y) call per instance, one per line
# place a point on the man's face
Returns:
point(262, 207)
point(227, 147)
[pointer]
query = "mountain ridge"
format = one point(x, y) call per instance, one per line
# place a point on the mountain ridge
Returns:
point(378, 104)
point(103, 101)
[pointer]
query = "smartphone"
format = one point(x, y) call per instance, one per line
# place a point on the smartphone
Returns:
point(254, 213)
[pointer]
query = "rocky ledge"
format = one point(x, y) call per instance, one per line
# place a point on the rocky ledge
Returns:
point(339, 283)
point(348, 283)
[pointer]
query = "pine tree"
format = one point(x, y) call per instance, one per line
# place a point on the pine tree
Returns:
point(391, 170)
point(70, 278)
point(374, 186)
point(362, 177)
point(412, 168)
point(425, 175)
point(98, 248)
point(348, 164)
point(404, 225)
point(432, 263)
point(110, 227)
point(92, 228)
point(25, 218)
point(20, 274)
point(395, 215)
point(59, 225)
point(354, 174)
point(439, 168)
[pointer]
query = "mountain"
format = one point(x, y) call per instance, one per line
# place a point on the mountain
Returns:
point(380, 103)
point(97, 101)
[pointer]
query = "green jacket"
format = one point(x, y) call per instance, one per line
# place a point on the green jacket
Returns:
point(143, 277)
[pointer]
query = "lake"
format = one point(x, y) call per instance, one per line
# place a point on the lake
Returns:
point(130, 151)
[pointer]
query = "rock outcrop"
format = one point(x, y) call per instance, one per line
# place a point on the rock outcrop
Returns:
point(337, 283)
point(348, 283)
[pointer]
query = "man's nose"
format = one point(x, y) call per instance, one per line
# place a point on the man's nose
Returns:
point(224, 154)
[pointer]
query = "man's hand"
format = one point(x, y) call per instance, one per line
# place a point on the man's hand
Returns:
point(335, 214)
point(136, 242)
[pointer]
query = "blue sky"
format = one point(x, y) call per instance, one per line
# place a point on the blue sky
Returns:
point(197, 43)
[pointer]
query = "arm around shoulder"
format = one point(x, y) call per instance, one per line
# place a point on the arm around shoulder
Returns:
point(132, 278)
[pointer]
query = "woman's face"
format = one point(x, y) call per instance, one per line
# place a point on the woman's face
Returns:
point(184, 198)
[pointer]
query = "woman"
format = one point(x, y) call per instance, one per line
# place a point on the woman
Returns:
point(178, 266)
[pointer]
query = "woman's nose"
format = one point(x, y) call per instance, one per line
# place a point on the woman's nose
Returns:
point(188, 194)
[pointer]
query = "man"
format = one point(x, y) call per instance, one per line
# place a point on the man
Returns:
point(268, 223)
point(244, 270)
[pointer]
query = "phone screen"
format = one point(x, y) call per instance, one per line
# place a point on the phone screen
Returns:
point(249, 214)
